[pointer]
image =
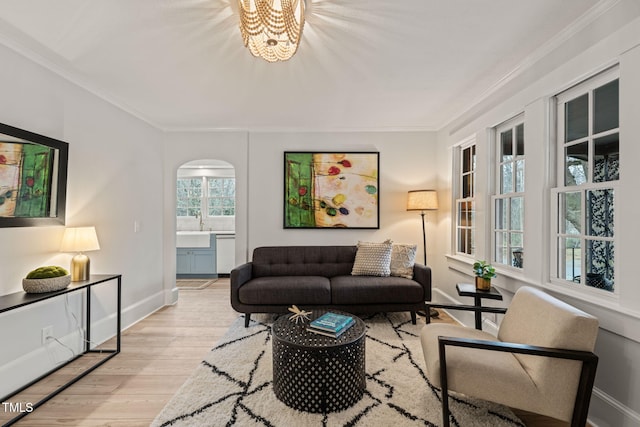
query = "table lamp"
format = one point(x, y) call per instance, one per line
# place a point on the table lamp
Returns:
point(79, 239)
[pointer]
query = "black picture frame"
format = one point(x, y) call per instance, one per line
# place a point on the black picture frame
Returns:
point(331, 190)
point(55, 193)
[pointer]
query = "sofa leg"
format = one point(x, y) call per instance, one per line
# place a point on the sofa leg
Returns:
point(413, 317)
point(247, 318)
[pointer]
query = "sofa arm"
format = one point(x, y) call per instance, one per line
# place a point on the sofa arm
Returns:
point(422, 275)
point(241, 275)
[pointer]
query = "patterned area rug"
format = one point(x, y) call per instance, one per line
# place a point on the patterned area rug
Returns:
point(233, 385)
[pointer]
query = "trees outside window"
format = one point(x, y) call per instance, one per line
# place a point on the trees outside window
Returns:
point(588, 170)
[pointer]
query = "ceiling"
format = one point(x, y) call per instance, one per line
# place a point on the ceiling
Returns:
point(361, 65)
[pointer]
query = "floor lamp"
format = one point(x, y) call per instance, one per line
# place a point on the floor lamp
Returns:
point(423, 200)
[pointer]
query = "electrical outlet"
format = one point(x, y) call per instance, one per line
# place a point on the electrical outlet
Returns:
point(47, 332)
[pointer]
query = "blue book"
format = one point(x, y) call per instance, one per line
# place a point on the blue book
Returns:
point(331, 322)
point(335, 334)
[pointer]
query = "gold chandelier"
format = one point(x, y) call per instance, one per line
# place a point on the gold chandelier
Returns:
point(271, 29)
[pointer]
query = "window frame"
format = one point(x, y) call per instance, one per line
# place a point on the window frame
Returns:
point(204, 196)
point(499, 194)
point(470, 230)
point(558, 213)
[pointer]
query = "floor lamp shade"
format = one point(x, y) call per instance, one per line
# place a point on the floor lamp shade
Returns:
point(422, 200)
point(80, 239)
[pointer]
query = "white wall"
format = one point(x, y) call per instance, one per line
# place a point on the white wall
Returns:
point(613, 37)
point(114, 179)
point(406, 164)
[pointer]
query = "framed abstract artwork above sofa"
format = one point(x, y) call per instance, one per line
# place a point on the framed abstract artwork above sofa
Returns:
point(331, 189)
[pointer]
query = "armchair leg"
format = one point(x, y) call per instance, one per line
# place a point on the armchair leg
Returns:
point(443, 385)
point(247, 318)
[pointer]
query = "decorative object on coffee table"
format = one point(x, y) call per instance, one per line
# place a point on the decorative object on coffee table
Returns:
point(46, 279)
point(298, 314)
point(484, 273)
point(316, 373)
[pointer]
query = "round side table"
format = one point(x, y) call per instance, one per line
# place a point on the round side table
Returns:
point(316, 373)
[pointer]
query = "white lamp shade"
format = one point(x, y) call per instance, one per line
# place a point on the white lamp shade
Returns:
point(422, 200)
point(79, 239)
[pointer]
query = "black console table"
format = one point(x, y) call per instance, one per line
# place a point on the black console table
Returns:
point(22, 299)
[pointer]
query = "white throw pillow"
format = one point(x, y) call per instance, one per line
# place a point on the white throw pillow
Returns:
point(402, 259)
point(373, 259)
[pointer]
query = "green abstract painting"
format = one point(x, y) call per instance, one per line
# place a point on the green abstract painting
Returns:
point(331, 190)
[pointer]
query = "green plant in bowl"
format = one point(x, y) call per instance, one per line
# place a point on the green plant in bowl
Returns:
point(47, 272)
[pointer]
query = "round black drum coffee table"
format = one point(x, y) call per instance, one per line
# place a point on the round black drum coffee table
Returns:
point(316, 373)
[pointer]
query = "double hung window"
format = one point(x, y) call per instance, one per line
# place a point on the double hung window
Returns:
point(588, 175)
point(213, 196)
point(508, 202)
point(465, 201)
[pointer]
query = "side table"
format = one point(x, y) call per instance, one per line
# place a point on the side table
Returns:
point(469, 290)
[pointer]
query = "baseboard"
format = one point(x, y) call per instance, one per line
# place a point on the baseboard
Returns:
point(605, 411)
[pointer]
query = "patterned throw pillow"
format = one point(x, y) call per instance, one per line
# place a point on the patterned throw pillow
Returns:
point(402, 259)
point(373, 259)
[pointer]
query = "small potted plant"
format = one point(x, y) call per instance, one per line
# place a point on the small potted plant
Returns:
point(484, 273)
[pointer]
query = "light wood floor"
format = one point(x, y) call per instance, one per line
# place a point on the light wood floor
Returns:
point(158, 354)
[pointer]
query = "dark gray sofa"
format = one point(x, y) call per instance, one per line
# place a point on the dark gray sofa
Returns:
point(313, 277)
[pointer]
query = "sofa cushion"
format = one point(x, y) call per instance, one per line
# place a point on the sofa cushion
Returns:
point(403, 257)
point(375, 290)
point(373, 259)
point(286, 290)
point(327, 261)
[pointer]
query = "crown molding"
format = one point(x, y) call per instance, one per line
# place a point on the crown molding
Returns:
point(558, 40)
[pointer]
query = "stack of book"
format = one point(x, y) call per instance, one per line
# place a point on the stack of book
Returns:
point(331, 324)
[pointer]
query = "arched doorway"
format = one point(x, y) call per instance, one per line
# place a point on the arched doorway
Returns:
point(205, 220)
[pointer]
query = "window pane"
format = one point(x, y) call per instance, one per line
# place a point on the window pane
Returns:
point(501, 248)
point(606, 161)
point(517, 257)
point(605, 107)
point(466, 160)
point(517, 213)
point(470, 242)
point(506, 145)
point(576, 164)
point(506, 178)
point(569, 259)
point(467, 186)
point(600, 215)
point(520, 176)
point(570, 209)
point(576, 118)
point(520, 139)
point(501, 213)
point(600, 264)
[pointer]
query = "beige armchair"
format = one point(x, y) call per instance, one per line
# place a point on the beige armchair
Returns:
point(542, 360)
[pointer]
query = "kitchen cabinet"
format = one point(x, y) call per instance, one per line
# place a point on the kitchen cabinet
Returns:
point(197, 261)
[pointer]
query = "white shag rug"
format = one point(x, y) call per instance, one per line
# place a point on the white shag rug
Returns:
point(233, 385)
